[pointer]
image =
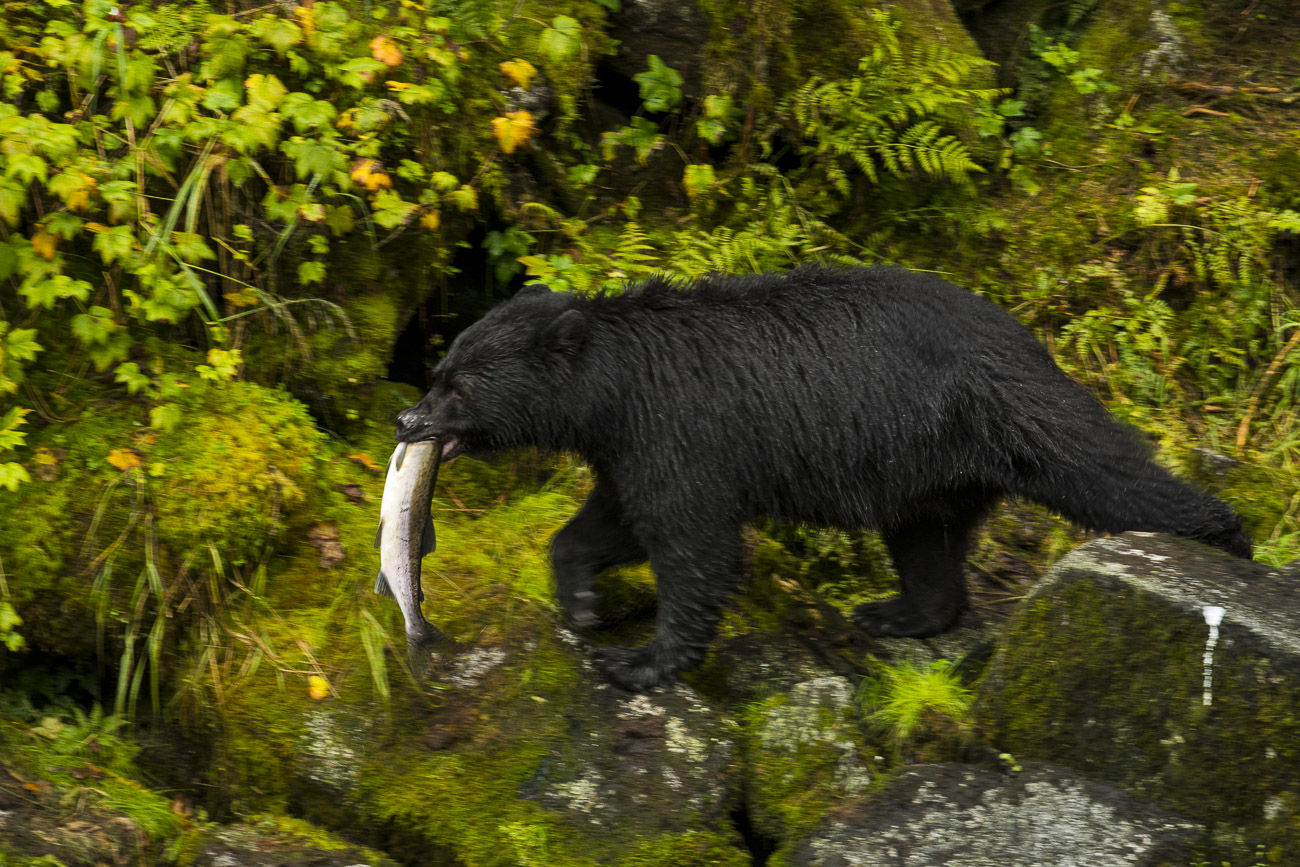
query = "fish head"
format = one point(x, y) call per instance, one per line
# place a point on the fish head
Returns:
point(502, 377)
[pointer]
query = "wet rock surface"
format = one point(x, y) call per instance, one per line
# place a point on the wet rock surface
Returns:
point(1111, 667)
point(962, 816)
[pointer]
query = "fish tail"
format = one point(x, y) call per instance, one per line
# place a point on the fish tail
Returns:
point(418, 642)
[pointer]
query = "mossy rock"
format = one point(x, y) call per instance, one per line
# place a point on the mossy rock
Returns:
point(764, 54)
point(116, 505)
point(508, 750)
point(805, 754)
point(1103, 669)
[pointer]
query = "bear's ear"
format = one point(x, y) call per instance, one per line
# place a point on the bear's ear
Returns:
point(567, 333)
point(533, 289)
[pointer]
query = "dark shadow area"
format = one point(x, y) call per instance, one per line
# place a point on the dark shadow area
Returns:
point(760, 847)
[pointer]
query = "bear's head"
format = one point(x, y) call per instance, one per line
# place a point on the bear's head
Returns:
point(503, 381)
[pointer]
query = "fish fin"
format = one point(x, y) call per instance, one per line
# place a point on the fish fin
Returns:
point(429, 541)
point(399, 455)
point(424, 639)
point(381, 586)
point(379, 534)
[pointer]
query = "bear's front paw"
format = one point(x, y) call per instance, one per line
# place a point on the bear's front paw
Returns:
point(580, 610)
point(897, 618)
point(632, 668)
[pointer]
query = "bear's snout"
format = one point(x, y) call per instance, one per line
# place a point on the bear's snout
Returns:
point(413, 424)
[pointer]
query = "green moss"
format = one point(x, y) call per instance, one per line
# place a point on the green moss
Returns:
point(1109, 681)
point(240, 470)
point(804, 754)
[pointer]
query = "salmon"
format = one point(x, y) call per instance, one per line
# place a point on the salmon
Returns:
point(406, 534)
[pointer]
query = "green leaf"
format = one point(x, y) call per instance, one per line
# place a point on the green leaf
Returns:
point(360, 72)
point(390, 211)
point(561, 39)
point(313, 156)
point(660, 85)
point(95, 326)
point(698, 179)
point(1285, 221)
point(265, 91)
point(306, 112)
point(114, 245)
point(582, 175)
point(128, 373)
point(26, 168)
point(11, 476)
point(225, 96)
point(279, 33)
point(192, 247)
point(120, 196)
point(312, 272)
point(46, 293)
point(165, 417)
point(20, 344)
point(13, 195)
point(65, 224)
point(10, 436)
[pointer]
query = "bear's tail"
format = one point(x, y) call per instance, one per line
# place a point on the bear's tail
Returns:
point(1105, 479)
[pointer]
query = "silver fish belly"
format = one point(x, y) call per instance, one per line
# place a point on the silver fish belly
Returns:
point(406, 534)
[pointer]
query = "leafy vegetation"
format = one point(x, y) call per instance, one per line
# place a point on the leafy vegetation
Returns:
point(218, 220)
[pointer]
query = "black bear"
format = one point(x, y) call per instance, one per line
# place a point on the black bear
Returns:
point(856, 398)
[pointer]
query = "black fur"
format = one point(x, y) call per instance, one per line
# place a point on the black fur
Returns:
point(858, 398)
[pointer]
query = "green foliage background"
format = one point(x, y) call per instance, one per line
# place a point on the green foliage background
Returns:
point(216, 219)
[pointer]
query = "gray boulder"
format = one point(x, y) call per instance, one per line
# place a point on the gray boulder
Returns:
point(961, 816)
point(1110, 667)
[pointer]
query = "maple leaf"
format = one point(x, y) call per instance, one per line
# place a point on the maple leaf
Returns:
point(385, 51)
point(371, 175)
point(513, 130)
point(519, 71)
point(46, 244)
point(124, 459)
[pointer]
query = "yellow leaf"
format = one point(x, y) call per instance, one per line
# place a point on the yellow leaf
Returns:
point(366, 461)
point(431, 221)
point(385, 51)
point(306, 18)
point(44, 243)
point(79, 201)
point(520, 71)
point(245, 297)
point(318, 687)
point(513, 130)
point(313, 212)
point(124, 459)
point(371, 175)
point(96, 228)
point(398, 86)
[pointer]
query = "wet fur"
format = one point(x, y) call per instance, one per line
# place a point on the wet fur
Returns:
point(858, 398)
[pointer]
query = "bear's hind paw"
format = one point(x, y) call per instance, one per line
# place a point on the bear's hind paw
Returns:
point(632, 668)
point(897, 618)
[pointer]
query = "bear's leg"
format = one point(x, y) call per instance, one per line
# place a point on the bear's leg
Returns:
point(928, 554)
point(595, 539)
point(695, 577)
